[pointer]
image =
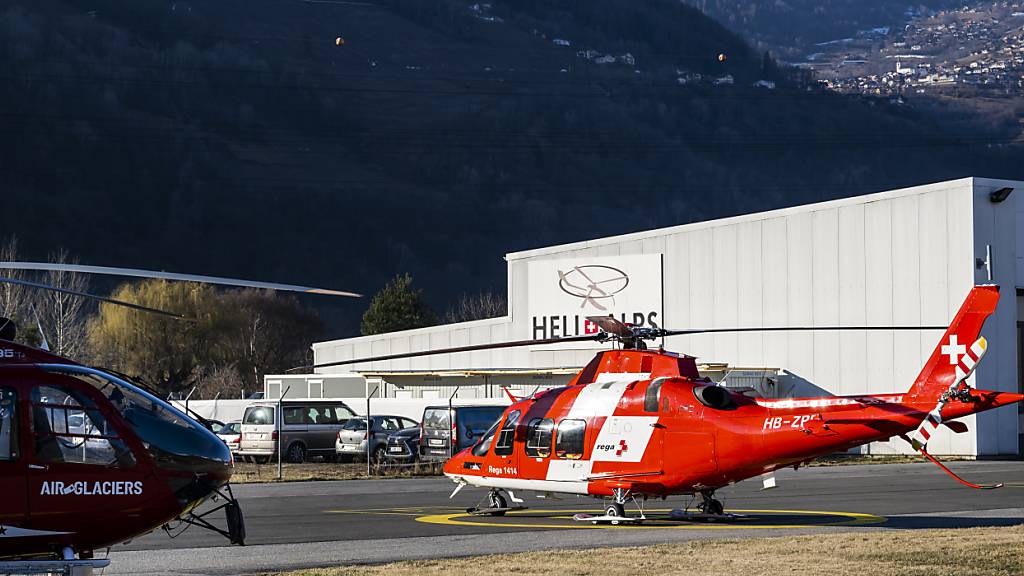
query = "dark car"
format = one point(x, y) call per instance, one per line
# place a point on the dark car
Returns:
point(437, 429)
point(403, 446)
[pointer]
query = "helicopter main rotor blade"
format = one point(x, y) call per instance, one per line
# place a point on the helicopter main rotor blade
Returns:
point(136, 273)
point(796, 329)
point(92, 297)
point(513, 344)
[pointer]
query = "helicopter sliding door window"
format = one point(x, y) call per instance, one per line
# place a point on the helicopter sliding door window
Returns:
point(570, 439)
point(538, 437)
point(70, 429)
point(507, 434)
point(8, 425)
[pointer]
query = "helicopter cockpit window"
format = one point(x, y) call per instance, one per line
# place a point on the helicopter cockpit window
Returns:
point(8, 425)
point(173, 439)
point(570, 439)
point(538, 437)
point(484, 444)
point(504, 445)
point(70, 429)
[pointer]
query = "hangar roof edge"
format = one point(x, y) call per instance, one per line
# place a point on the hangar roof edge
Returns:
point(966, 182)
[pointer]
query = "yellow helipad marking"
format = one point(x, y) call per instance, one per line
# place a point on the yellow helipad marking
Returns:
point(851, 519)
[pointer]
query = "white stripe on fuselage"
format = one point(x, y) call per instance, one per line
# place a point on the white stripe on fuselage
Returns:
point(569, 470)
point(601, 397)
point(15, 532)
point(827, 402)
point(522, 484)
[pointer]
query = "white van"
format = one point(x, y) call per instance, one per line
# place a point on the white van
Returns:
point(308, 427)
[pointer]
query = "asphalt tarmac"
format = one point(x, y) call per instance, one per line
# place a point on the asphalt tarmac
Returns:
point(309, 524)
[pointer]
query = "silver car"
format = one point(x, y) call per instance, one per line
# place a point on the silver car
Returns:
point(307, 428)
point(231, 434)
point(353, 437)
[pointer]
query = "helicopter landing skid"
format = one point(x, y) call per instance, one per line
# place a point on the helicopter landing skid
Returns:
point(685, 515)
point(487, 511)
point(63, 567)
point(232, 511)
point(606, 519)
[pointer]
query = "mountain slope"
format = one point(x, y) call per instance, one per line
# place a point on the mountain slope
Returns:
point(339, 143)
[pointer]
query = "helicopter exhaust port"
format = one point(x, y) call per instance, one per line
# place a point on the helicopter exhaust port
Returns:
point(714, 397)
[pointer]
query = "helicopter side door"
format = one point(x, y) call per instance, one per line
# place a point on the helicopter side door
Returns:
point(12, 460)
point(79, 466)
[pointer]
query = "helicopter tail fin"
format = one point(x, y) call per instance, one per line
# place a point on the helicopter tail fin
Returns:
point(960, 348)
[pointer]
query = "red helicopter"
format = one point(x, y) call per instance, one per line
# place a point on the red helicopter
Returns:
point(89, 459)
point(637, 423)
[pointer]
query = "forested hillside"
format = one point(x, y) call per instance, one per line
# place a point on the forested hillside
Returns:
point(338, 144)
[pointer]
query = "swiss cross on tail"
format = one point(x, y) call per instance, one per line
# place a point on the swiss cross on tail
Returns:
point(954, 350)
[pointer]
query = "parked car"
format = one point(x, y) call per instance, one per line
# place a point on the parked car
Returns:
point(308, 428)
point(436, 441)
point(231, 434)
point(353, 437)
point(404, 446)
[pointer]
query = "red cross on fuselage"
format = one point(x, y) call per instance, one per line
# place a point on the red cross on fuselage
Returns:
point(622, 448)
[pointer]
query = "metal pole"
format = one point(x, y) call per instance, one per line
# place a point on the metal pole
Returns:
point(280, 439)
point(451, 422)
point(187, 397)
point(369, 428)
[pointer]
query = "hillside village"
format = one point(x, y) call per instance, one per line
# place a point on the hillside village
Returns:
point(975, 50)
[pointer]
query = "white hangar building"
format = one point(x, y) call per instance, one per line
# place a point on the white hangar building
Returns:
point(902, 257)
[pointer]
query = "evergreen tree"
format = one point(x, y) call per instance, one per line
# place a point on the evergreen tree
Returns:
point(397, 307)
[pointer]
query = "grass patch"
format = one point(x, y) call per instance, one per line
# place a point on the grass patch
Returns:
point(247, 473)
point(963, 551)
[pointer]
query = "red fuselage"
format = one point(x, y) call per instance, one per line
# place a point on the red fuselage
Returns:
point(646, 429)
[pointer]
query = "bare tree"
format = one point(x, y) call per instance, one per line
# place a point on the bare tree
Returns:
point(476, 307)
point(218, 381)
point(13, 300)
point(63, 316)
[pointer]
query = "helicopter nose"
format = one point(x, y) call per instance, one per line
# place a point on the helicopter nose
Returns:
point(456, 464)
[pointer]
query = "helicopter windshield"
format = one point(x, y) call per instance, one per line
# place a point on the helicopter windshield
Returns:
point(173, 439)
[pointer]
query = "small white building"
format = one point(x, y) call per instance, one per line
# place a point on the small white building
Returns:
point(903, 257)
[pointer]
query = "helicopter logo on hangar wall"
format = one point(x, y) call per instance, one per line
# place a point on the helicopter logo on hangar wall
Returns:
point(593, 283)
point(562, 293)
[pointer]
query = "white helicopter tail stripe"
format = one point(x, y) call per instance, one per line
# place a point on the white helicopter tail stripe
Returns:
point(964, 368)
